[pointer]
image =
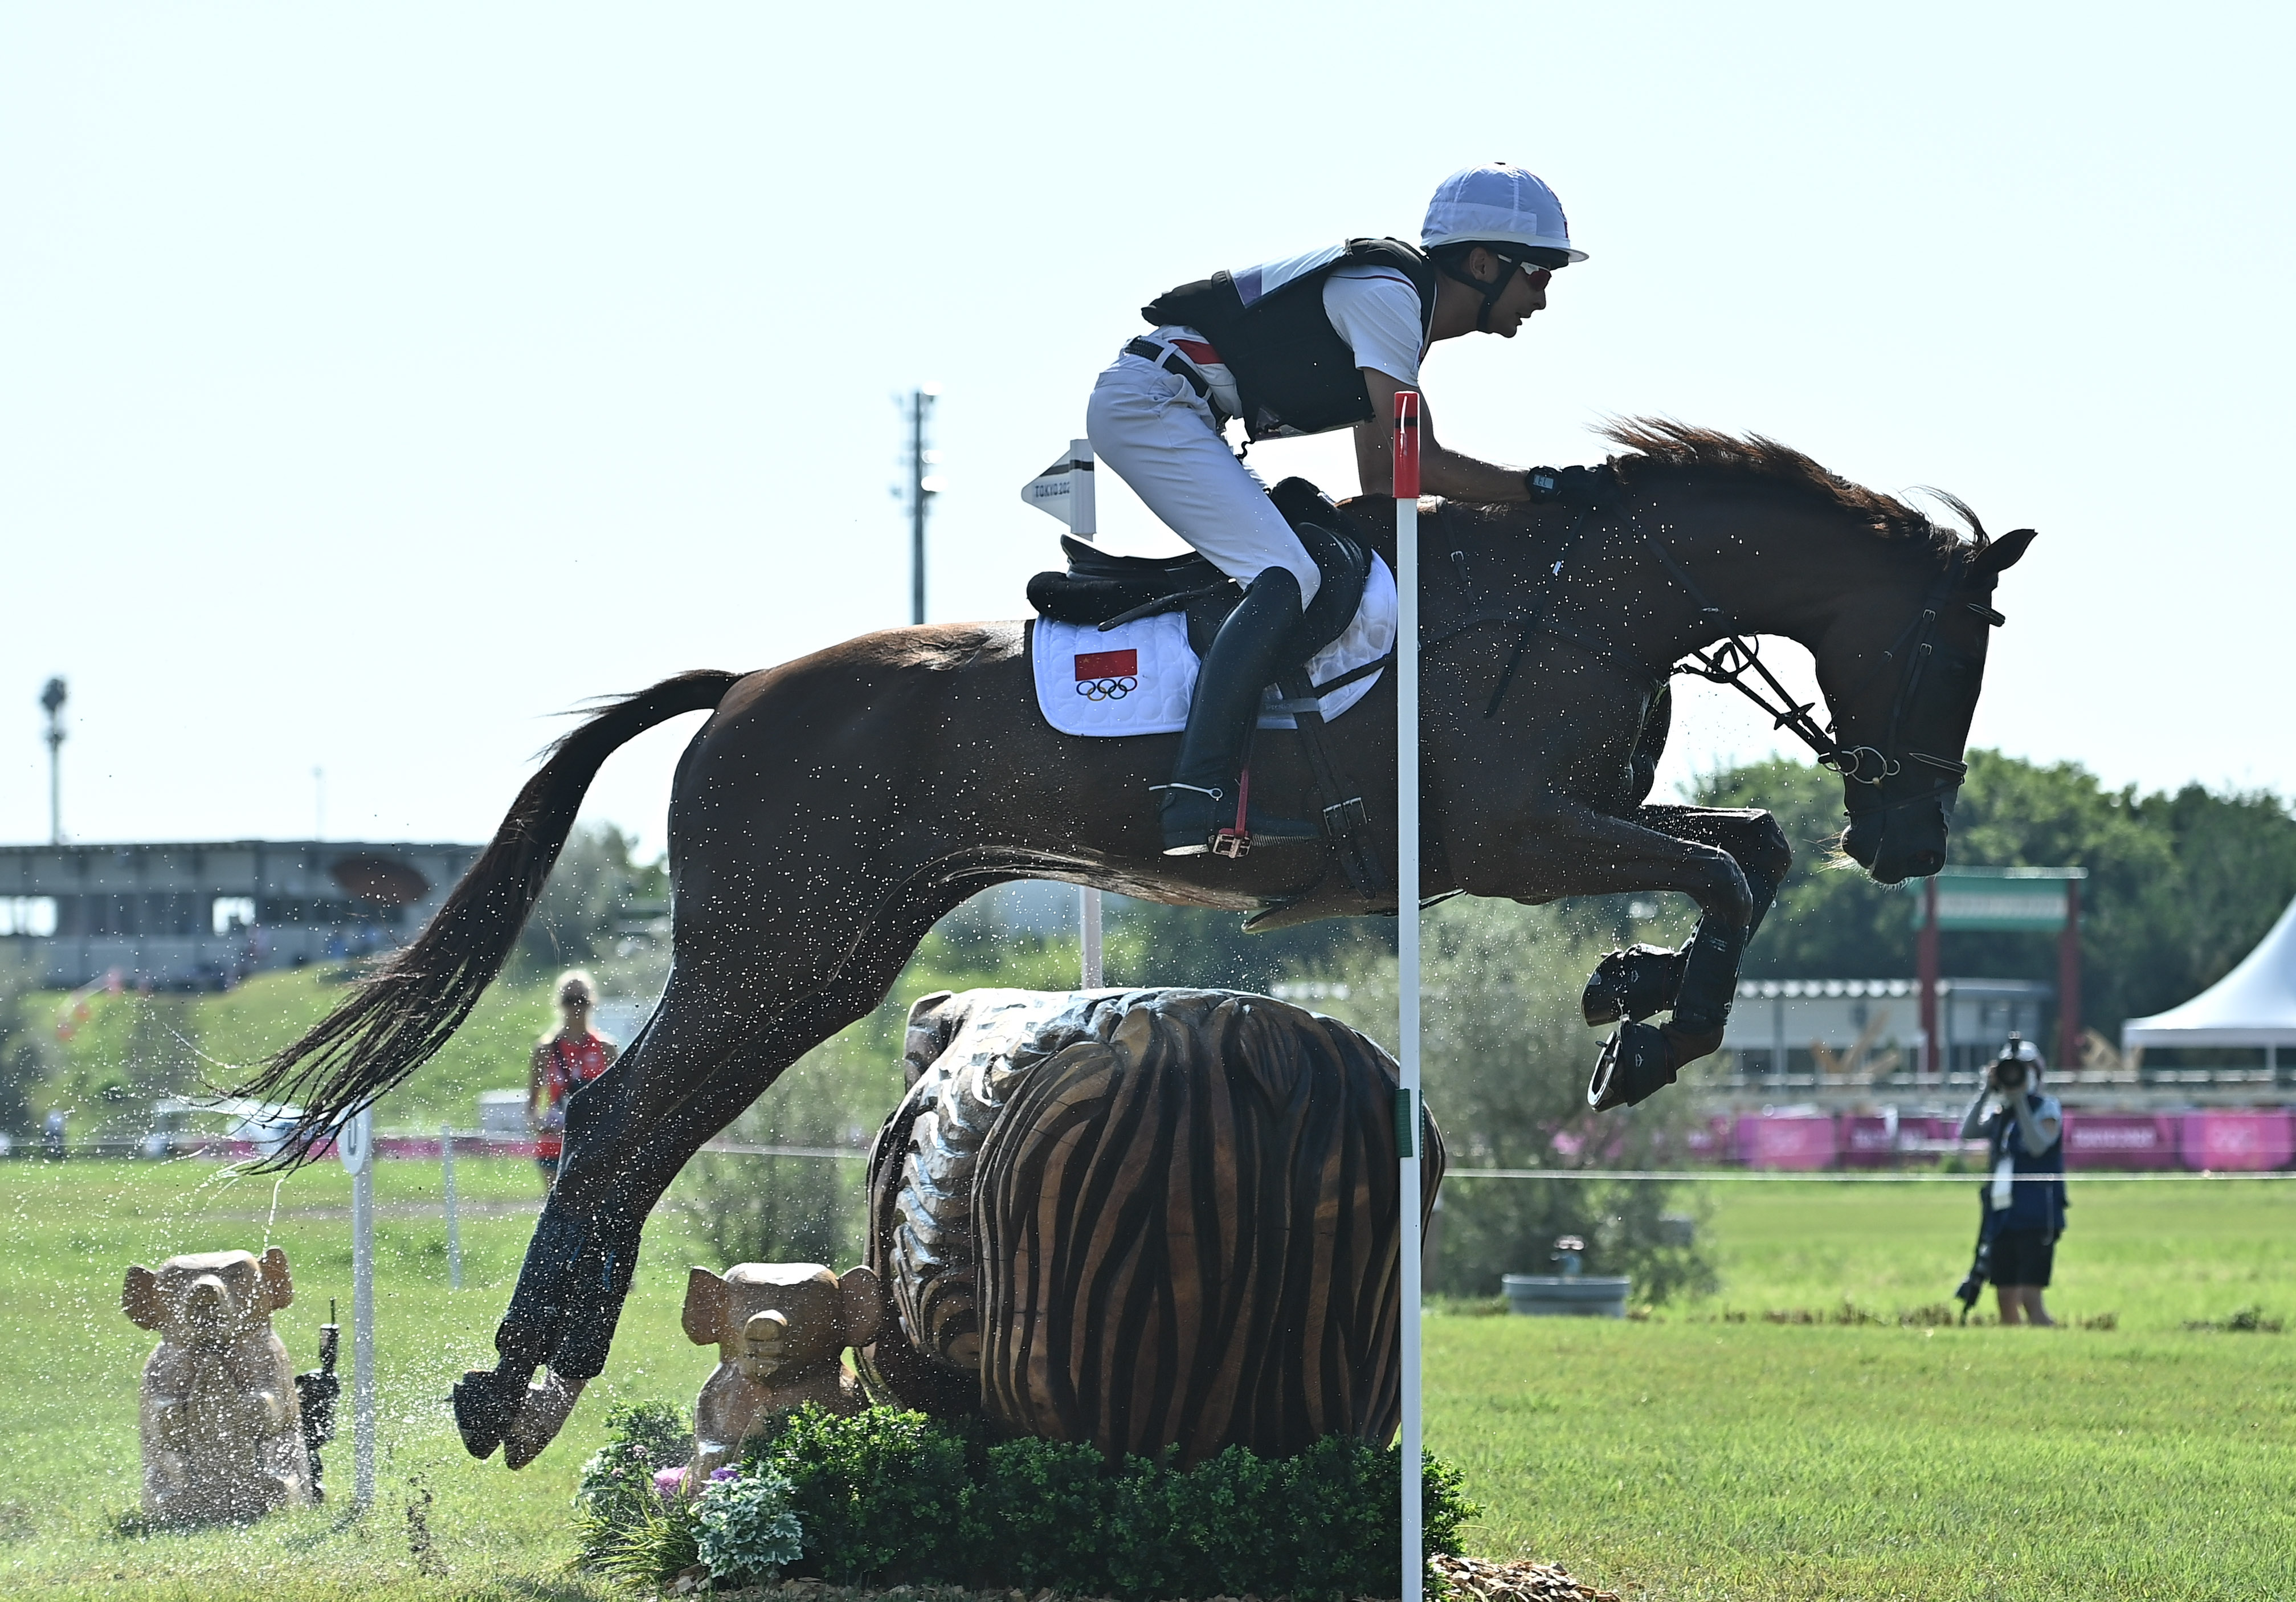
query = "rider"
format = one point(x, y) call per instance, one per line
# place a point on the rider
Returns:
point(1302, 346)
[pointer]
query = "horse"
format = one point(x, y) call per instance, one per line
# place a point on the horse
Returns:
point(831, 809)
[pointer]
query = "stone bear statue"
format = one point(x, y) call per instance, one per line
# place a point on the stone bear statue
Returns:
point(223, 1431)
point(781, 1330)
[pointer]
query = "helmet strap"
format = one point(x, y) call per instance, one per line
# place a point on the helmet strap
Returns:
point(1493, 290)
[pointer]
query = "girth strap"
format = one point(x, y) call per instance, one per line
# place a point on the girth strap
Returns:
point(1345, 819)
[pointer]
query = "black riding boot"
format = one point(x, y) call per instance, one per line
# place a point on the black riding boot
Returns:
point(1247, 655)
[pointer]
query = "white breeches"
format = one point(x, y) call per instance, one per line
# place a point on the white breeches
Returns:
point(1151, 428)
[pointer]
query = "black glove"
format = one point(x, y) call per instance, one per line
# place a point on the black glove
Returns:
point(1588, 489)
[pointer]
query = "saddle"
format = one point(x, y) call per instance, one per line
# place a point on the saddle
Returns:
point(1103, 588)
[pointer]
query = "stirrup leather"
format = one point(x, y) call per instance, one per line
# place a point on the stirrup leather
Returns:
point(1236, 840)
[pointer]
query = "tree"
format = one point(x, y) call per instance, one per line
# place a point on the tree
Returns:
point(2180, 886)
point(1507, 1059)
point(595, 890)
point(24, 1054)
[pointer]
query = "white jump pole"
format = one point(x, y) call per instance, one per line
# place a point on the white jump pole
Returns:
point(454, 1222)
point(1084, 523)
point(1407, 907)
point(354, 1144)
point(1088, 927)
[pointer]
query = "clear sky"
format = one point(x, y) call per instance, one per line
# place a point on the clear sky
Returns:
point(378, 382)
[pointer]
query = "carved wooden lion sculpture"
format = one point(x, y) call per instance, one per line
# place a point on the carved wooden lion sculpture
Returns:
point(1143, 1219)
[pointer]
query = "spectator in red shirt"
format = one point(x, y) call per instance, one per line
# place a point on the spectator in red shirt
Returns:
point(565, 1059)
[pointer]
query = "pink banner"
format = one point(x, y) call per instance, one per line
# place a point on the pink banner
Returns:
point(1866, 1139)
point(2241, 1142)
point(2119, 1139)
point(1793, 1141)
point(1877, 1140)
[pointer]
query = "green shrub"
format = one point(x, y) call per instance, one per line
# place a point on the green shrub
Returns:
point(648, 1543)
point(1052, 1502)
point(883, 1494)
point(744, 1529)
point(620, 1520)
point(888, 1497)
point(891, 1498)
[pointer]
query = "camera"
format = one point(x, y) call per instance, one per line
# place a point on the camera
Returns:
point(2009, 1068)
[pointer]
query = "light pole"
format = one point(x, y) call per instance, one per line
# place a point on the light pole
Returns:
point(923, 487)
point(52, 698)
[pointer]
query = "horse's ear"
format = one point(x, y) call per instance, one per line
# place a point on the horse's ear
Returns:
point(2002, 553)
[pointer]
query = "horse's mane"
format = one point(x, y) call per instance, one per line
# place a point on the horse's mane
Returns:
point(1661, 442)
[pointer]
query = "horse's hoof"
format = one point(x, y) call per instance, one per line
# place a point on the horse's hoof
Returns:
point(542, 1413)
point(1633, 983)
point(486, 1401)
point(1635, 1066)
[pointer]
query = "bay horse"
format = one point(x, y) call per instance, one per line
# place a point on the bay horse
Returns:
point(833, 808)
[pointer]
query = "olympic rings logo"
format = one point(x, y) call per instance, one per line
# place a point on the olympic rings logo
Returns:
point(1106, 689)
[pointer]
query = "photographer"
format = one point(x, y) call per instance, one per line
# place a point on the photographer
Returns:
point(2025, 1201)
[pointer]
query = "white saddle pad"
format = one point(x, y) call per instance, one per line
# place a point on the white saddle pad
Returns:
point(1136, 679)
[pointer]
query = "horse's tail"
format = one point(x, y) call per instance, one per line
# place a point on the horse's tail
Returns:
point(396, 1020)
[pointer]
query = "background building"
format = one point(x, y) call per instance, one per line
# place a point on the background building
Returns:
point(203, 915)
point(1812, 1032)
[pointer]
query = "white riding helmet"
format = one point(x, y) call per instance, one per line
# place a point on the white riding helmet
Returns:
point(1498, 203)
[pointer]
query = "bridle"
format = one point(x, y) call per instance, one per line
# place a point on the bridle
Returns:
point(1731, 659)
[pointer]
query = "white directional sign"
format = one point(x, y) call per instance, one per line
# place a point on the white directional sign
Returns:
point(1064, 490)
point(355, 1144)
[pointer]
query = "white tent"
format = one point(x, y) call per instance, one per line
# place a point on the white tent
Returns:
point(2253, 1006)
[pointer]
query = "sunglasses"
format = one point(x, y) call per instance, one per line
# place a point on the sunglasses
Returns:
point(1539, 277)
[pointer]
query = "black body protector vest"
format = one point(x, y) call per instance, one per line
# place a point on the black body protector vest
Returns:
point(1293, 372)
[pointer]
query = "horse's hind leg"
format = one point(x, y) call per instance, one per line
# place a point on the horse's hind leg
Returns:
point(709, 1051)
point(584, 1244)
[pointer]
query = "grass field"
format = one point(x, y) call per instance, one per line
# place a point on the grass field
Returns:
point(1704, 1453)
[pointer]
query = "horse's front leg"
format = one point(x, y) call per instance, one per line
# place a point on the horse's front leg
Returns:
point(1561, 847)
point(1634, 983)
